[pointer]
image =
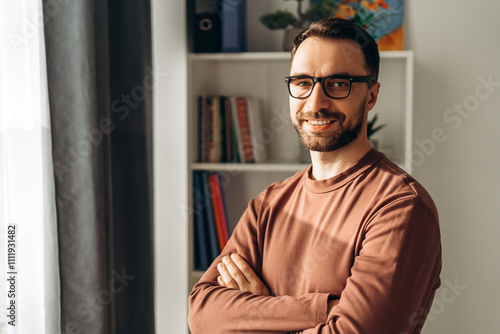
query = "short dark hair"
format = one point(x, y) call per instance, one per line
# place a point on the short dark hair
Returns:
point(336, 28)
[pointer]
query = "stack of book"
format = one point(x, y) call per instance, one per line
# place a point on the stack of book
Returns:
point(211, 228)
point(230, 130)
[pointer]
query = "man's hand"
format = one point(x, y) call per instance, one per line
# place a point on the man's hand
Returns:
point(236, 274)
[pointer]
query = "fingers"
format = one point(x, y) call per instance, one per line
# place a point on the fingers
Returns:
point(255, 284)
point(225, 279)
point(236, 274)
point(221, 282)
point(232, 275)
point(244, 268)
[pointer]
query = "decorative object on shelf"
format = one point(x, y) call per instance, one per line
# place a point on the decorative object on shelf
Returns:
point(383, 19)
point(371, 129)
point(294, 24)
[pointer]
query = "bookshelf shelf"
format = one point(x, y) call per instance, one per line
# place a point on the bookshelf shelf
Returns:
point(261, 75)
point(268, 166)
point(241, 56)
point(278, 55)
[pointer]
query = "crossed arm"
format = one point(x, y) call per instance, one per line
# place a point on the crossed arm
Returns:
point(236, 274)
point(391, 285)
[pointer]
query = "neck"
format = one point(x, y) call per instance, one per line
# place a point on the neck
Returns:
point(329, 164)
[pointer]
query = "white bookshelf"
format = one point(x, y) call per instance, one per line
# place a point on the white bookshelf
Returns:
point(261, 74)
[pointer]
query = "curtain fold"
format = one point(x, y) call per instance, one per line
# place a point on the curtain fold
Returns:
point(98, 54)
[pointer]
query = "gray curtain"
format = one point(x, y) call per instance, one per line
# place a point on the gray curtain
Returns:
point(100, 94)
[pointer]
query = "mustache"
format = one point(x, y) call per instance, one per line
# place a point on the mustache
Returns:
point(321, 114)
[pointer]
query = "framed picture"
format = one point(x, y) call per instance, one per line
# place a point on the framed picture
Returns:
point(383, 19)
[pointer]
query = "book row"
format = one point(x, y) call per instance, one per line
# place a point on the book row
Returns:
point(211, 228)
point(230, 129)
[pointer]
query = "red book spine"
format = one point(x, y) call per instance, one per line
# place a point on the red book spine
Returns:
point(218, 223)
point(245, 130)
point(222, 212)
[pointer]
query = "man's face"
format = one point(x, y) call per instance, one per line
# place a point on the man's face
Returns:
point(345, 118)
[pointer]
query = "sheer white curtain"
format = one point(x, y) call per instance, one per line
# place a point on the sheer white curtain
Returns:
point(26, 174)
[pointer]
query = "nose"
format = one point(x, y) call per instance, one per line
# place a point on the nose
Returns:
point(318, 99)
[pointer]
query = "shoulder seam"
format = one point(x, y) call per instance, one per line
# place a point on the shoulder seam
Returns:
point(404, 175)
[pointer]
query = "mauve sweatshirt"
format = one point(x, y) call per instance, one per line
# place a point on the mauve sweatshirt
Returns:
point(368, 237)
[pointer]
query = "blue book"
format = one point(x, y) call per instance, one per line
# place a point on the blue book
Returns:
point(233, 25)
point(202, 256)
point(209, 219)
point(224, 205)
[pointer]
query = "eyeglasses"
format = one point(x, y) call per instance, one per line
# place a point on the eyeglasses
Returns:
point(334, 86)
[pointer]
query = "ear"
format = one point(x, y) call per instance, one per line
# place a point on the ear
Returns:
point(372, 96)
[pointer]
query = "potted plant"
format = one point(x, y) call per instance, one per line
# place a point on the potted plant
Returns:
point(293, 24)
point(371, 129)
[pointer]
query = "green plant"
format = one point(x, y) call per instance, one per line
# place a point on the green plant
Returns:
point(281, 19)
point(278, 20)
point(323, 10)
point(371, 128)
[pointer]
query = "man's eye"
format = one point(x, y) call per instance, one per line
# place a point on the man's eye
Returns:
point(338, 84)
point(304, 83)
point(301, 82)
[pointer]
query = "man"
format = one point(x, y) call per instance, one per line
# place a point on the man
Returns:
point(351, 244)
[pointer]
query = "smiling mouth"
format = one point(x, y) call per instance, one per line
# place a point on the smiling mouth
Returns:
point(322, 122)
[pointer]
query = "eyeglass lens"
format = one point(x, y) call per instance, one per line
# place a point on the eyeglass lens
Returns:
point(301, 87)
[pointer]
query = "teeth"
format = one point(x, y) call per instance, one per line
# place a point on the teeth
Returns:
point(319, 122)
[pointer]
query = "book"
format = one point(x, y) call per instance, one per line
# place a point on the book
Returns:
point(246, 144)
point(203, 128)
point(227, 152)
point(236, 136)
point(201, 255)
point(209, 219)
point(205, 24)
point(233, 26)
point(222, 209)
point(235, 149)
point(257, 131)
point(214, 191)
point(215, 140)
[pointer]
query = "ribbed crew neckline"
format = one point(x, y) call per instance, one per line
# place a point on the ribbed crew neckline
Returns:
point(339, 180)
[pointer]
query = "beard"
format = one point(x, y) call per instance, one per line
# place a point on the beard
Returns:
point(342, 136)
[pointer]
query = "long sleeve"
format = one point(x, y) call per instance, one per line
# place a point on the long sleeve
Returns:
point(215, 309)
point(394, 275)
point(369, 237)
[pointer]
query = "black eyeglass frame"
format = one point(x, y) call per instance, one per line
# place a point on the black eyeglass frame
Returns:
point(367, 78)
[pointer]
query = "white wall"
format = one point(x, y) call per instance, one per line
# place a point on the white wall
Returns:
point(170, 164)
point(455, 42)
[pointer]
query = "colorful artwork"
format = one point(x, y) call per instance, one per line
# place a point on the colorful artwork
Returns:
point(383, 19)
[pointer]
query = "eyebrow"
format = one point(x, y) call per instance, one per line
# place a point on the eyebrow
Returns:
point(338, 73)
